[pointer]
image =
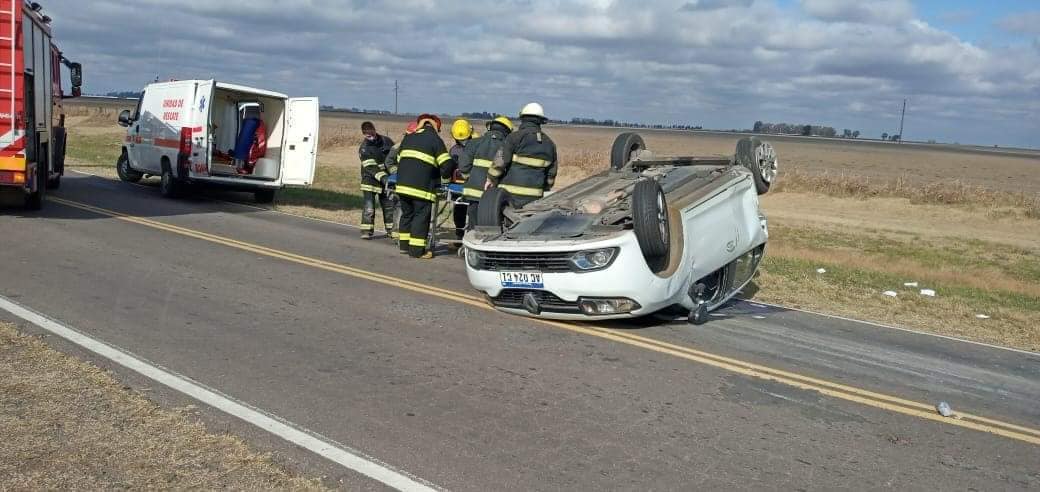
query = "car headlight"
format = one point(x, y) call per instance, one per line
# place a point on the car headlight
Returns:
point(593, 259)
point(473, 258)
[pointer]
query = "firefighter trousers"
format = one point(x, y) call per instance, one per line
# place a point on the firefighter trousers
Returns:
point(368, 211)
point(471, 214)
point(415, 225)
point(459, 214)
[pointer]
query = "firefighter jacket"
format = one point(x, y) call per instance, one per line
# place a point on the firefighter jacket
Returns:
point(526, 164)
point(373, 156)
point(477, 159)
point(421, 163)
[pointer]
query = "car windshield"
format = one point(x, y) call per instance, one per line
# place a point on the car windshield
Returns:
point(551, 224)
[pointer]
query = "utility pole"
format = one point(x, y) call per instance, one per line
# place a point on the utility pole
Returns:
point(901, 118)
point(396, 90)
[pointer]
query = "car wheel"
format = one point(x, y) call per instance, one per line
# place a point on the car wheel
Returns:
point(650, 218)
point(624, 148)
point(124, 171)
point(264, 196)
point(169, 187)
point(491, 210)
point(34, 201)
point(760, 158)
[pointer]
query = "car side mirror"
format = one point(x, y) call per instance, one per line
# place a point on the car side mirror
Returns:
point(124, 118)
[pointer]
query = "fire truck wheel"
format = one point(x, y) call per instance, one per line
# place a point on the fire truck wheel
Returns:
point(54, 183)
point(34, 201)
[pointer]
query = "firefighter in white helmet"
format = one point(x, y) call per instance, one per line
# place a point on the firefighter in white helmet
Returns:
point(526, 164)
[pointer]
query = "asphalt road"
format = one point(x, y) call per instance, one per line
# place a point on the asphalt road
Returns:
point(349, 339)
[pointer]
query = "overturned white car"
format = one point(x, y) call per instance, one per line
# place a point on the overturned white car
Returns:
point(648, 234)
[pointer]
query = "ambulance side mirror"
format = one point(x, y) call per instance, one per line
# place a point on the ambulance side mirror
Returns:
point(124, 118)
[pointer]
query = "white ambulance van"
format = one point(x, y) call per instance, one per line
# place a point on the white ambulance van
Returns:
point(186, 133)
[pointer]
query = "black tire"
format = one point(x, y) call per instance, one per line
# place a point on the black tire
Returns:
point(490, 211)
point(760, 158)
point(624, 146)
point(650, 219)
point(59, 139)
point(264, 196)
point(54, 183)
point(34, 201)
point(169, 187)
point(125, 172)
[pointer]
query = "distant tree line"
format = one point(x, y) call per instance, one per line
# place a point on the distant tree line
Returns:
point(125, 94)
point(893, 138)
point(805, 130)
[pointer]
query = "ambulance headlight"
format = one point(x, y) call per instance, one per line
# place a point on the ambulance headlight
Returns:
point(595, 259)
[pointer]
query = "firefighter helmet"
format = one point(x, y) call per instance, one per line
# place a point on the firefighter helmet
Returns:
point(461, 130)
point(533, 109)
point(428, 118)
point(502, 120)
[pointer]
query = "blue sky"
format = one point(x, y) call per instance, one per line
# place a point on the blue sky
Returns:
point(970, 70)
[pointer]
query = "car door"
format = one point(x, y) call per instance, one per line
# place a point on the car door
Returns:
point(300, 146)
point(133, 136)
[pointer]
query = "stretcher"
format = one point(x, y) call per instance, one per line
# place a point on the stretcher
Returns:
point(448, 196)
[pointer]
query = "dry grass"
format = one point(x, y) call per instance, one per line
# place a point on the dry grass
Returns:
point(67, 425)
point(949, 192)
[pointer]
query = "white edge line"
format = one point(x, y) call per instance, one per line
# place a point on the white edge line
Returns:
point(306, 439)
point(890, 327)
point(806, 311)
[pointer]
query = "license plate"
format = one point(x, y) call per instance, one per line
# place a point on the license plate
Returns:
point(522, 280)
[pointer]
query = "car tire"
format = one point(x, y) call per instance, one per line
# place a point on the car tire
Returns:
point(264, 196)
point(760, 158)
point(169, 187)
point(125, 172)
point(491, 210)
point(34, 201)
point(650, 219)
point(624, 146)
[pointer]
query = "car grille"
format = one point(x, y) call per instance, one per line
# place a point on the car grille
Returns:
point(514, 299)
point(542, 262)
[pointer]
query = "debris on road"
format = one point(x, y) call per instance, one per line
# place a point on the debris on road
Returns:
point(890, 293)
point(928, 292)
point(910, 284)
point(821, 270)
point(982, 316)
point(944, 409)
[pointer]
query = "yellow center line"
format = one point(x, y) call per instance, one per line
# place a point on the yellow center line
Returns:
point(835, 390)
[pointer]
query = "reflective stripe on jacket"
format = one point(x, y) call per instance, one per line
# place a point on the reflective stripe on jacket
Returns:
point(373, 155)
point(526, 164)
point(421, 163)
point(476, 160)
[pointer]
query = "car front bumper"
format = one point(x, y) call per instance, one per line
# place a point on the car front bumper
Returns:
point(627, 277)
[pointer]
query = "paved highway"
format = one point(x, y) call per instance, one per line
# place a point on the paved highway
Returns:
point(401, 362)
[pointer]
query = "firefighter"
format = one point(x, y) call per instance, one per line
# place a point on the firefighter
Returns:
point(462, 132)
point(526, 164)
point(373, 152)
point(390, 163)
point(422, 162)
point(476, 160)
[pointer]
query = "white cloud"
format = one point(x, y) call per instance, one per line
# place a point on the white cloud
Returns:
point(712, 62)
point(870, 11)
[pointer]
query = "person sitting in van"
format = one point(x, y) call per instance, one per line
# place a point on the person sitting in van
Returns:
point(252, 140)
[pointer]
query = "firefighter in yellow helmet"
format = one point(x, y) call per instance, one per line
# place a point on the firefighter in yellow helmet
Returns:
point(422, 161)
point(462, 132)
point(476, 160)
point(526, 164)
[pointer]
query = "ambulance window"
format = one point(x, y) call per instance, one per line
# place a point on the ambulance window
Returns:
point(137, 112)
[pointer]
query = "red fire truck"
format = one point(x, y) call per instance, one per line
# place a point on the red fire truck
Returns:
point(32, 121)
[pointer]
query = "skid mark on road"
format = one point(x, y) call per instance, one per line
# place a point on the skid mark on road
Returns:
point(835, 390)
